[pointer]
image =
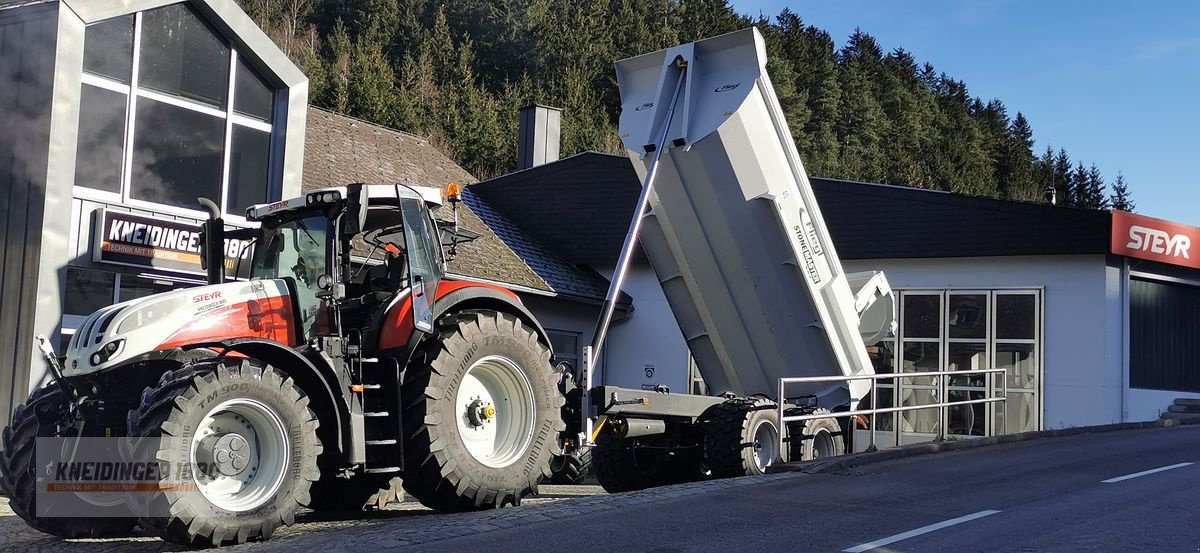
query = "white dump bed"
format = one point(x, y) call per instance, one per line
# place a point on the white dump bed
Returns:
point(734, 232)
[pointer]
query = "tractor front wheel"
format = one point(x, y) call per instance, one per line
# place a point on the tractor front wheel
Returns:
point(240, 448)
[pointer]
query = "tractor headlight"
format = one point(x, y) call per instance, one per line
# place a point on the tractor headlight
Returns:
point(110, 349)
point(150, 313)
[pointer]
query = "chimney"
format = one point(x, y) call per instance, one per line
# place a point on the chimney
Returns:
point(1050, 194)
point(539, 135)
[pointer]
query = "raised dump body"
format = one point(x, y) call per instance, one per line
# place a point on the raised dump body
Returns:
point(734, 232)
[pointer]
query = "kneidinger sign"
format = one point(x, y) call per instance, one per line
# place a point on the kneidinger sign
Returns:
point(1153, 239)
point(127, 239)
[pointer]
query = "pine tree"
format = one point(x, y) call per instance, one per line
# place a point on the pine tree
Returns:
point(1079, 186)
point(1092, 192)
point(1062, 178)
point(1015, 169)
point(862, 123)
point(1120, 198)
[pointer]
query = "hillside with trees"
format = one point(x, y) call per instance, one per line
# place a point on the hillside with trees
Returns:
point(457, 72)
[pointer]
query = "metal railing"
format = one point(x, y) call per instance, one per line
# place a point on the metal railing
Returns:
point(942, 405)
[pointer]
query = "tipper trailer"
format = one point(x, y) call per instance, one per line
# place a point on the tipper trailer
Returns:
point(729, 222)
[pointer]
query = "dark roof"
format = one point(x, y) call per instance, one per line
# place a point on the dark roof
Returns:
point(581, 206)
point(875, 221)
point(341, 150)
point(563, 277)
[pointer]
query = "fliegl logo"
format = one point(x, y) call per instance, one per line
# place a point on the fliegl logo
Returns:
point(1158, 241)
point(727, 88)
point(644, 106)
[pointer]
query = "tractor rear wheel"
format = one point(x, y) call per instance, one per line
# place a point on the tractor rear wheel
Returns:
point(38, 418)
point(249, 440)
point(481, 414)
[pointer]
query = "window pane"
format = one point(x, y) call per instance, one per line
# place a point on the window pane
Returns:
point(1021, 365)
point(920, 357)
point(1015, 314)
point(248, 161)
point(181, 55)
point(177, 155)
point(88, 291)
point(252, 96)
point(133, 287)
point(108, 48)
point(966, 420)
point(565, 345)
point(921, 420)
point(922, 315)
point(883, 358)
point(967, 357)
point(968, 316)
point(98, 157)
point(1020, 412)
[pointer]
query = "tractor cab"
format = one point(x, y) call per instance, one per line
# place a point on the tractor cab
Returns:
point(360, 248)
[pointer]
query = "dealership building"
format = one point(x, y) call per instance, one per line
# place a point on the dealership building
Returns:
point(120, 113)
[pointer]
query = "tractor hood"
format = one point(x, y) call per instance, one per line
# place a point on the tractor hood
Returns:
point(121, 332)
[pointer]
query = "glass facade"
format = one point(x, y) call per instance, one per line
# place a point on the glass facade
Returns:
point(952, 330)
point(169, 112)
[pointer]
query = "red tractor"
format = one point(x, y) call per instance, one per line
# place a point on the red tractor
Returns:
point(345, 365)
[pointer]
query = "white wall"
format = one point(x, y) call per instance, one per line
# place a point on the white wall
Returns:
point(1082, 377)
point(650, 337)
point(647, 337)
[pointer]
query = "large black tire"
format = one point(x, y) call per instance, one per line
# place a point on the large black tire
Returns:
point(818, 438)
point(623, 466)
point(439, 470)
point(167, 421)
point(571, 468)
point(361, 493)
point(35, 419)
point(734, 437)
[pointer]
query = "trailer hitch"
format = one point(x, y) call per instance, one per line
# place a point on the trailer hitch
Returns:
point(56, 371)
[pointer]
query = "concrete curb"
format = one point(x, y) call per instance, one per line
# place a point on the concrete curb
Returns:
point(858, 459)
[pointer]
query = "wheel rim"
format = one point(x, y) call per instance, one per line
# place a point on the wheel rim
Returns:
point(240, 453)
point(823, 445)
point(766, 445)
point(496, 411)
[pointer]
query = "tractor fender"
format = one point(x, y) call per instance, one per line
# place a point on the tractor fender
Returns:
point(494, 298)
point(397, 332)
point(316, 380)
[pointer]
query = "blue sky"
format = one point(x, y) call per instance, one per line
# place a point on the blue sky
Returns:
point(1116, 83)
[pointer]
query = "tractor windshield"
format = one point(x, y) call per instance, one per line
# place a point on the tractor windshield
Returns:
point(296, 250)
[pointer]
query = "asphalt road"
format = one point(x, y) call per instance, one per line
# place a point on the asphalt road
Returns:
point(1042, 495)
point(1049, 494)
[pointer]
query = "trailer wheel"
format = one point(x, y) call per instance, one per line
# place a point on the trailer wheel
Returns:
point(741, 437)
point(35, 419)
point(819, 438)
point(623, 466)
point(246, 432)
point(360, 493)
point(482, 414)
point(572, 467)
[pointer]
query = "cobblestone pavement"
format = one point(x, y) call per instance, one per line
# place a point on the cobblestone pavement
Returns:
point(399, 525)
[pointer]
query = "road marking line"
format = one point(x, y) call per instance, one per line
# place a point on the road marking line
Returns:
point(1143, 473)
point(922, 530)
